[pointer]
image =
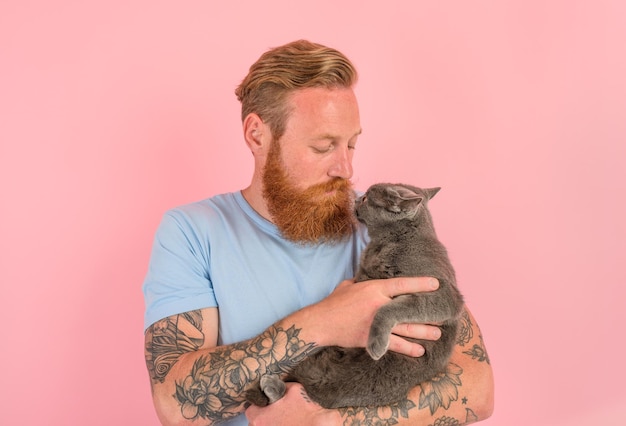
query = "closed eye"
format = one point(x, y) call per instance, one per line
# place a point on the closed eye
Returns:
point(329, 148)
point(322, 150)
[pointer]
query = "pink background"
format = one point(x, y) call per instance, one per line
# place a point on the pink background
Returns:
point(113, 112)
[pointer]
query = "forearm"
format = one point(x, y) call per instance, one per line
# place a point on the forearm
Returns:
point(205, 386)
point(460, 396)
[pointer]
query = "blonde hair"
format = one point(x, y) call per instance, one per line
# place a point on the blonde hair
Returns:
point(285, 69)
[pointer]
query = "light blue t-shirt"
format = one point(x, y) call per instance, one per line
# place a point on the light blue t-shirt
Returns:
point(221, 253)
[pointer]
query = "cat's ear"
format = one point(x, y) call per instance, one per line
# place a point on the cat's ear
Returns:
point(408, 200)
point(431, 192)
point(404, 193)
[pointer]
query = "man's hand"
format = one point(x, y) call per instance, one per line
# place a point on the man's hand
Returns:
point(397, 343)
point(345, 316)
point(295, 408)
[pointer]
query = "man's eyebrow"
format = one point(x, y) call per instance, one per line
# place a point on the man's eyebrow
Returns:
point(330, 136)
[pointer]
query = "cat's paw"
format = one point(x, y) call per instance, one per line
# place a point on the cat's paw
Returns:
point(255, 396)
point(377, 347)
point(273, 387)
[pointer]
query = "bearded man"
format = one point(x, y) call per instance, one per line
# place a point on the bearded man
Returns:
point(247, 283)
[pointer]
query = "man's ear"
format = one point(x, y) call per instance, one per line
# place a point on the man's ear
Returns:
point(256, 133)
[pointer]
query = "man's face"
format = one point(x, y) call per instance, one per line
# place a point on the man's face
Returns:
point(306, 175)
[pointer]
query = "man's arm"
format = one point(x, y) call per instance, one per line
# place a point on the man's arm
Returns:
point(463, 394)
point(460, 396)
point(196, 382)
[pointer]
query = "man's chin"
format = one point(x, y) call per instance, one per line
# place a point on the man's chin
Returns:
point(318, 225)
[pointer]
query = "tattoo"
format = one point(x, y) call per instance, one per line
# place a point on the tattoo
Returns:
point(376, 416)
point(438, 393)
point(305, 395)
point(478, 351)
point(446, 421)
point(216, 385)
point(441, 390)
point(466, 333)
point(168, 339)
point(466, 330)
point(470, 416)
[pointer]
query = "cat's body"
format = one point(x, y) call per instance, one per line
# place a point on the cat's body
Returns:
point(402, 243)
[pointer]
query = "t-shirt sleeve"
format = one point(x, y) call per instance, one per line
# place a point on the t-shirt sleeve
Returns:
point(178, 277)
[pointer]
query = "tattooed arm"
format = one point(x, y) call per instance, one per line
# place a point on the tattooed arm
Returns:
point(196, 382)
point(460, 396)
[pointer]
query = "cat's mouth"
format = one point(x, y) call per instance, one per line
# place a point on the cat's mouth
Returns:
point(357, 208)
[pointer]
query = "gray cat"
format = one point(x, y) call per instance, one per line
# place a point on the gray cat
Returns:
point(403, 243)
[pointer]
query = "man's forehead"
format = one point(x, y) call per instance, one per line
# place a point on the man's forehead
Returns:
point(334, 109)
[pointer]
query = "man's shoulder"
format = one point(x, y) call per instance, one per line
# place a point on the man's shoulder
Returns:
point(220, 202)
point(198, 215)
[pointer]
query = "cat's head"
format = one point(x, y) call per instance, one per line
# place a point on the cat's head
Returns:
point(385, 203)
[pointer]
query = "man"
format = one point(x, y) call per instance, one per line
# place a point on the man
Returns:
point(245, 283)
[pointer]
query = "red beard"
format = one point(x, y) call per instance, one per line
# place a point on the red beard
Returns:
point(320, 213)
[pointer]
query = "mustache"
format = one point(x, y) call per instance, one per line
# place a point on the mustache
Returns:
point(337, 184)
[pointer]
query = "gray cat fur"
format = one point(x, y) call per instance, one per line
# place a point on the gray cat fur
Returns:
point(402, 243)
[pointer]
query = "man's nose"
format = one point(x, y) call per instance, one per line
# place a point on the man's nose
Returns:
point(342, 164)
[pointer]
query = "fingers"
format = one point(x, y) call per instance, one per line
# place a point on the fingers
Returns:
point(417, 331)
point(403, 346)
point(398, 343)
point(405, 285)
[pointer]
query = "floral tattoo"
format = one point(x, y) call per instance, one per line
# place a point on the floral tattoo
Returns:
point(436, 393)
point(441, 390)
point(466, 332)
point(215, 387)
point(376, 416)
point(466, 329)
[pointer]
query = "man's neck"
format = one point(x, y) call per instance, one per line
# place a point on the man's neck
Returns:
point(253, 194)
